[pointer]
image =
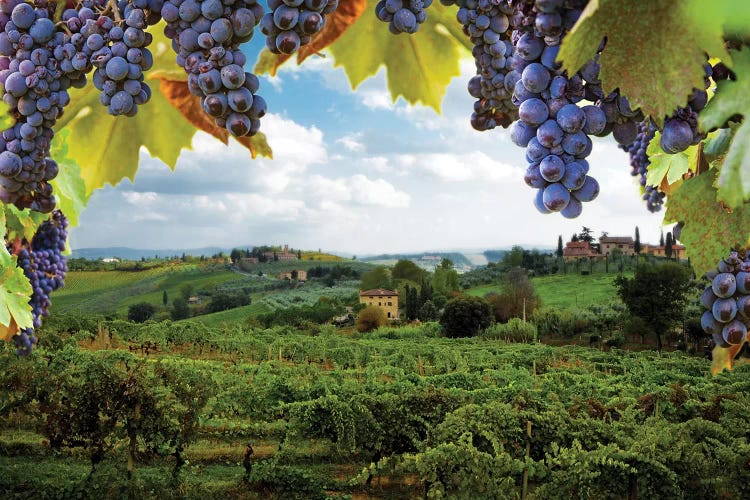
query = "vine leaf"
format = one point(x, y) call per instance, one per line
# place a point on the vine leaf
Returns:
point(336, 24)
point(710, 231)
point(69, 188)
point(657, 61)
point(668, 168)
point(179, 96)
point(730, 100)
point(107, 148)
point(15, 291)
point(419, 66)
point(20, 224)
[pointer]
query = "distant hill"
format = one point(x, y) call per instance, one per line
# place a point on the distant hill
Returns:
point(426, 260)
point(127, 253)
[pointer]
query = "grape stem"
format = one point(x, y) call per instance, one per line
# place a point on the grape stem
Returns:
point(112, 7)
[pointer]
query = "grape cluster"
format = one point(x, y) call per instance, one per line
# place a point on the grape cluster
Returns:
point(639, 162)
point(35, 88)
point(44, 265)
point(552, 127)
point(402, 16)
point(488, 25)
point(206, 36)
point(117, 49)
point(681, 129)
point(293, 23)
point(727, 301)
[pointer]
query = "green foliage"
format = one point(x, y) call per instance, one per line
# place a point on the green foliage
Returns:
point(223, 301)
point(143, 311)
point(428, 312)
point(370, 318)
point(407, 270)
point(672, 51)
point(710, 231)
point(515, 330)
point(517, 297)
point(180, 309)
point(731, 100)
point(466, 316)
point(445, 279)
point(380, 277)
point(656, 294)
point(564, 323)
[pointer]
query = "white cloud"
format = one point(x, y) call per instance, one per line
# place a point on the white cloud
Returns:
point(475, 166)
point(352, 142)
point(358, 190)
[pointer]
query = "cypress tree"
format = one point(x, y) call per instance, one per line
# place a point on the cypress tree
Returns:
point(637, 244)
point(668, 246)
point(559, 252)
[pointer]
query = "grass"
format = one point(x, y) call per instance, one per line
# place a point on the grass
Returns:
point(236, 315)
point(115, 291)
point(566, 291)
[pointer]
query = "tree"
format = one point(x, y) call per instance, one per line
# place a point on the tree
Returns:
point(180, 309)
point(371, 318)
point(668, 246)
point(380, 277)
point(299, 254)
point(295, 274)
point(411, 303)
point(407, 270)
point(425, 291)
point(657, 294)
point(574, 238)
point(235, 255)
point(559, 252)
point(513, 258)
point(275, 257)
point(187, 290)
point(661, 239)
point(637, 243)
point(517, 296)
point(466, 316)
point(428, 312)
point(445, 279)
point(143, 311)
point(164, 298)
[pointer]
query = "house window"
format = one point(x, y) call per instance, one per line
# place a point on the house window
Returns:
point(389, 314)
point(619, 246)
point(380, 303)
point(390, 304)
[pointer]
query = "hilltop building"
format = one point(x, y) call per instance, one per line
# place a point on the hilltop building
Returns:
point(300, 276)
point(578, 250)
point(624, 243)
point(284, 256)
point(387, 300)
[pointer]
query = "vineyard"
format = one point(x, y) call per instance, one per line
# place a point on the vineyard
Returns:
point(236, 413)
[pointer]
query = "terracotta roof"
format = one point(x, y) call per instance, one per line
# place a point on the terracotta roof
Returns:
point(578, 244)
point(616, 239)
point(378, 292)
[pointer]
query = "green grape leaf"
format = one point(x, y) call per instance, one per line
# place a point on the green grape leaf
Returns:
point(20, 224)
point(69, 187)
point(710, 230)
point(716, 145)
point(735, 18)
point(655, 50)
point(668, 166)
point(419, 66)
point(15, 290)
point(731, 99)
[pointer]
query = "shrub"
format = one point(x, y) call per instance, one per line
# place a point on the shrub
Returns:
point(370, 318)
point(466, 316)
point(140, 313)
point(514, 330)
point(555, 322)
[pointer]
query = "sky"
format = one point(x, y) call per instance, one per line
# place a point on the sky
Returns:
point(354, 172)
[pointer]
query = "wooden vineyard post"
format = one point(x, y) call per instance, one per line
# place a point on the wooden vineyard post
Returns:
point(525, 487)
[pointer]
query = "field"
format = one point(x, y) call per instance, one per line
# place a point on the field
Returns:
point(106, 292)
point(421, 415)
point(567, 291)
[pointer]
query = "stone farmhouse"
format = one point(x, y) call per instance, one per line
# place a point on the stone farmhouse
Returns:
point(627, 246)
point(578, 250)
point(387, 300)
point(301, 275)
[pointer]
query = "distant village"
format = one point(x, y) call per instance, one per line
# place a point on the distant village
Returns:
point(610, 246)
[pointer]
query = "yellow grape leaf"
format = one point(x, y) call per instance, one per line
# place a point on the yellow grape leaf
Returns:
point(419, 66)
point(336, 24)
point(15, 290)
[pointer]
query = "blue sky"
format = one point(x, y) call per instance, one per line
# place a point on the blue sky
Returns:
point(354, 172)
